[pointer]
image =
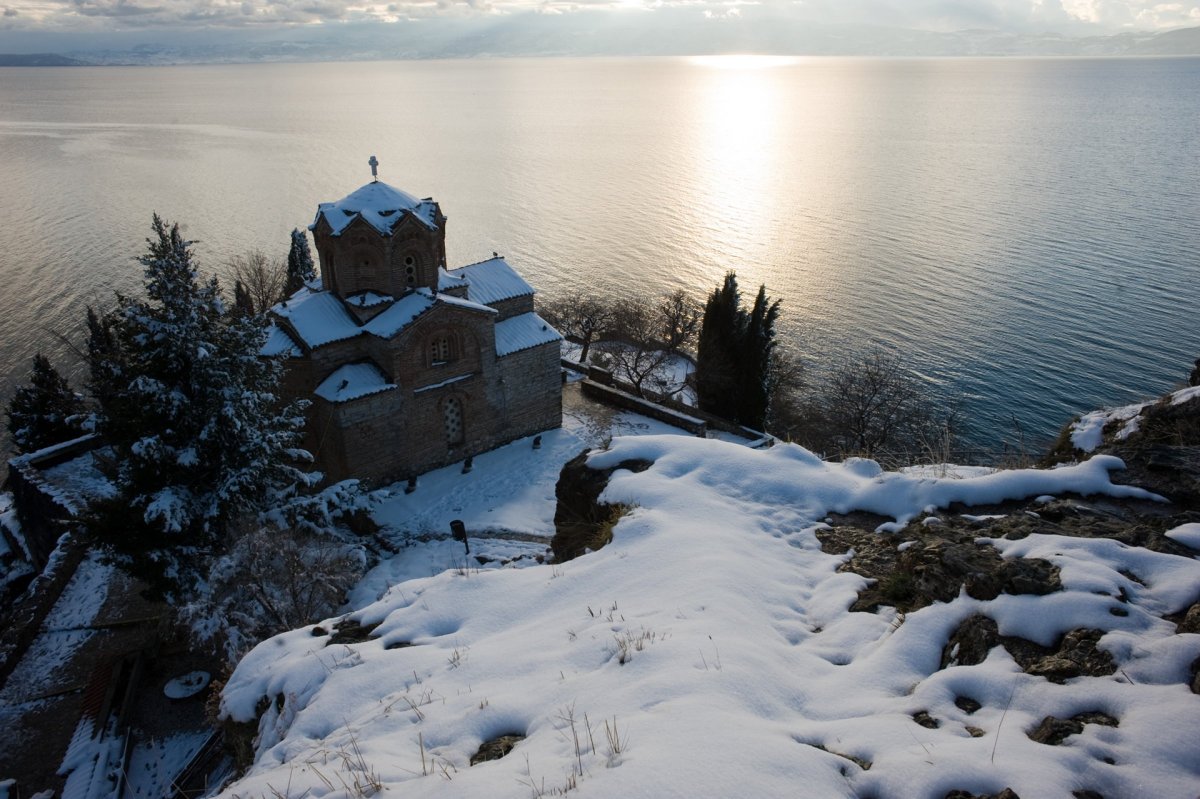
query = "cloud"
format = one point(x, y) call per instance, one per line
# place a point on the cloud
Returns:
point(1016, 16)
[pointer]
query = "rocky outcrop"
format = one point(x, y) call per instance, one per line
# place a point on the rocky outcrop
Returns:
point(581, 521)
point(934, 566)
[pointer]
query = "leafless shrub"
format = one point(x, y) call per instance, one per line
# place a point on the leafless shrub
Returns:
point(261, 277)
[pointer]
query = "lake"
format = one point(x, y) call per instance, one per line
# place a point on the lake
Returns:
point(1025, 231)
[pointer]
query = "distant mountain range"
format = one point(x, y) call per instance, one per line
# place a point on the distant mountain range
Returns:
point(38, 60)
point(664, 33)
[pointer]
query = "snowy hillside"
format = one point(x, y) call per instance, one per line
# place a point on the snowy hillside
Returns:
point(708, 651)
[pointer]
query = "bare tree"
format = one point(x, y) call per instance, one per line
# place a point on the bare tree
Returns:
point(639, 357)
point(262, 279)
point(786, 409)
point(272, 579)
point(872, 404)
point(580, 318)
point(680, 319)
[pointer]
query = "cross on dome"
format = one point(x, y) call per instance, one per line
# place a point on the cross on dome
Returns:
point(374, 164)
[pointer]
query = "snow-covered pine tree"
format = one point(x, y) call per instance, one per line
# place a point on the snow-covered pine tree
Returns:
point(46, 411)
point(200, 435)
point(299, 263)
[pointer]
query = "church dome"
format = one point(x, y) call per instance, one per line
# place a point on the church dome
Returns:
point(379, 205)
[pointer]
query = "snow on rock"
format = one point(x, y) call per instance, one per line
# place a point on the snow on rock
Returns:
point(1186, 534)
point(713, 639)
point(1087, 432)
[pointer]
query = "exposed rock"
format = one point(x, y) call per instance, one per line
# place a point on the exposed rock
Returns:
point(1007, 793)
point(581, 521)
point(1190, 623)
point(496, 748)
point(1053, 731)
point(970, 643)
point(966, 704)
point(350, 631)
point(1075, 655)
point(1081, 794)
point(934, 568)
point(927, 721)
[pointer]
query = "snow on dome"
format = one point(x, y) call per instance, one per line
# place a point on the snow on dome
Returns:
point(493, 280)
point(380, 205)
point(352, 381)
point(522, 332)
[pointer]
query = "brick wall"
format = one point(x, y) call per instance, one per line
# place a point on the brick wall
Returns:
point(513, 307)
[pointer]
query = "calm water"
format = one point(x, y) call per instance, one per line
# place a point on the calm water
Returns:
point(1026, 230)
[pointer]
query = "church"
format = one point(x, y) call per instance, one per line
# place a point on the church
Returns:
point(409, 365)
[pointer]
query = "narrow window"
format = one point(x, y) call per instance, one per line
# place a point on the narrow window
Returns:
point(453, 416)
point(439, 351)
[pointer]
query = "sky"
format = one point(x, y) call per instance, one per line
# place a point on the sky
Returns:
point(1071, 17)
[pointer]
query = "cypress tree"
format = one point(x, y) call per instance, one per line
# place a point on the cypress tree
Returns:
point(300, 267)
point(46, 411)
point(734, 361)
point(717, 350)
point(755, 361)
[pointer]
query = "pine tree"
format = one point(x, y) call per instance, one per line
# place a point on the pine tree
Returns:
point(46, 411)
point(191, 412)
point(300, 267)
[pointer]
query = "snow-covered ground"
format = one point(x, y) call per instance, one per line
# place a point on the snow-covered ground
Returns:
point(708, 651)
point(669, 378)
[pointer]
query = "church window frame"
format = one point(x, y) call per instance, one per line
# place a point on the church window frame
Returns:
point(442, 348)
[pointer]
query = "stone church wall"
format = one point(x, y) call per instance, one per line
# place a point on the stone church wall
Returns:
point(513, 307)
point(535, 376)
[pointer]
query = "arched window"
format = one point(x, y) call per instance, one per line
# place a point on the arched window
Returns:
point(410, 269)
point(440, 350)
point(452, 415)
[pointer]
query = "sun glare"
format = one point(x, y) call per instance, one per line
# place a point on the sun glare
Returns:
point(742, 61)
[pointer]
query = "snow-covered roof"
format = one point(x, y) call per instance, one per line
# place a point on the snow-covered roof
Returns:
point(401, 314)
point(279, 343)
point(379, 205)
point(493, 280)
point(522, 332)
point(352, 381)
point(368, 299)
point(318, 318)
point(450, 299)
point(449, 281)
